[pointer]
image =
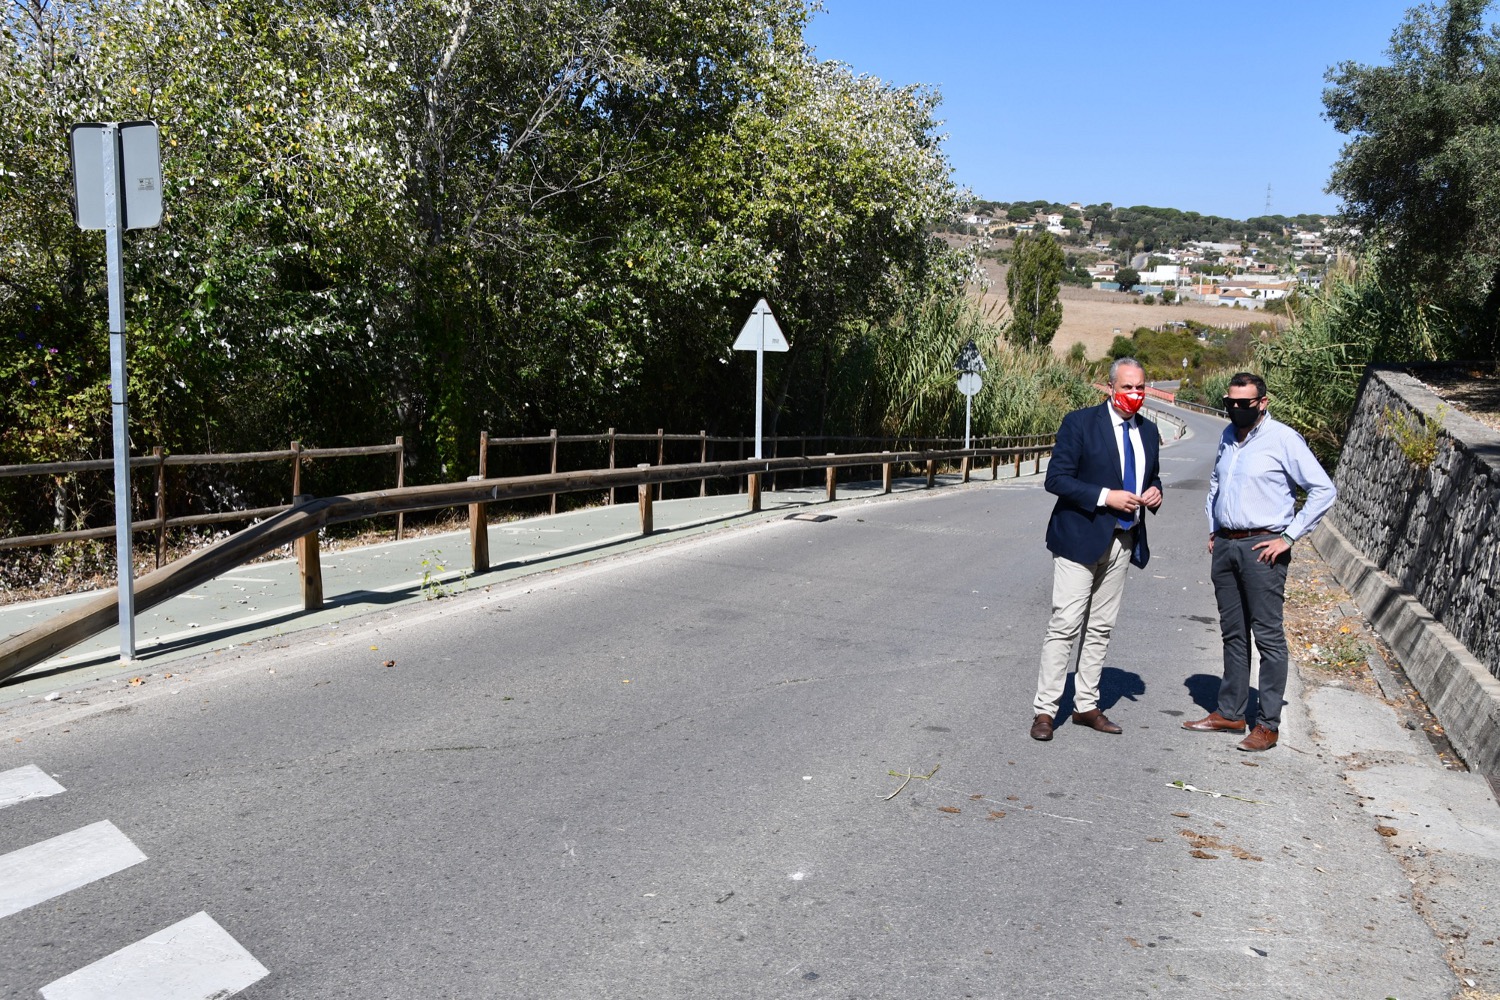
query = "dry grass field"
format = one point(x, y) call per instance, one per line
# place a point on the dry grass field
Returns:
point(1090, 317)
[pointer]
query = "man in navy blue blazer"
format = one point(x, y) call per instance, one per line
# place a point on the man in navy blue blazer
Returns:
point(1105, 472)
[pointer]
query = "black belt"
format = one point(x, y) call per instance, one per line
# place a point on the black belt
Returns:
point(1245, 533)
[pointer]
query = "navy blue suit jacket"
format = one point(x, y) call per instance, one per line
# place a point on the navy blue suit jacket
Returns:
point(1085, 461)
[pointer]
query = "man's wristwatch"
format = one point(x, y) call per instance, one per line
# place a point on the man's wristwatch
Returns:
point(1288, 538)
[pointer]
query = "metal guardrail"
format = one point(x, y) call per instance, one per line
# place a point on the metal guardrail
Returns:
point(300, 524)
point(1199, 408)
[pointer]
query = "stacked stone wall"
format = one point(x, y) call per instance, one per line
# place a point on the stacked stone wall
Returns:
point(1435, 530)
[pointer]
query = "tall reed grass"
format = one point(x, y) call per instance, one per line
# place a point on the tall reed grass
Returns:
point(900, 377)
point(1313, 369)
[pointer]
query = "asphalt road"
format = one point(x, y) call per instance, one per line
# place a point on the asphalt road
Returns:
point(669, 775)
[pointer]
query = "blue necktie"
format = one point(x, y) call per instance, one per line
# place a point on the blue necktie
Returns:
point(1128, 521)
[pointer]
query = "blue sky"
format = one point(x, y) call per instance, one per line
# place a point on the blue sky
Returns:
point(1187, 105)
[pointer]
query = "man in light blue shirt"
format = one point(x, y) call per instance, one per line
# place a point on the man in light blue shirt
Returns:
point(1252, 522)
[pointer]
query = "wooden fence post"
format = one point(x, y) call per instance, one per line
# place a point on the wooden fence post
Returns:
point(611, 463)
point(479, 533)
point(703, 460)
point(1017, 474)
point(964, 468)
point(161, 504)
point(554, 466)
point(753, 486)
point(995, 466)
point(643, 492)
point(931, 472)
point(885, 475)
point(296, 468)
point(400, 482)
point(833, 481)
point(661, 456)
point(309, 564)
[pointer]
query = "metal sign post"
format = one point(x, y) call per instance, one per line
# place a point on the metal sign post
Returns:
point(760, 334)
point(125, 192)
point(969, 365)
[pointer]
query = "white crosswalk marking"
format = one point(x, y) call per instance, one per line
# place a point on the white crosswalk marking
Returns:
point(35, 874)
point(194, 959)
point(22, 783)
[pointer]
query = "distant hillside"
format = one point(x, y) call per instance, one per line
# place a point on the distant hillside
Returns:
point(1143, 228)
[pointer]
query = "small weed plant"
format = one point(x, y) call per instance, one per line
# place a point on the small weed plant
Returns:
point(1415, 434)
point(433, 585)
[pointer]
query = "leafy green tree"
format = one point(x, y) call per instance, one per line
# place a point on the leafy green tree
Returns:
point(1128, 278)
point(1031, 289)
point(1418, 177)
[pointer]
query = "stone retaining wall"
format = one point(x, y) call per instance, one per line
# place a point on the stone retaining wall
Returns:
point(1419, 549)
point(1435, 530)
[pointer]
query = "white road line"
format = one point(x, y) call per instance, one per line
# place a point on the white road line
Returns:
point(35, 874)
point(22, 783)
point(194, 959)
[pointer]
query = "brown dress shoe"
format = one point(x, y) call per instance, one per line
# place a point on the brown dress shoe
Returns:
point(1213, 722)
point(1260, 738)
point(1041, 727)
point(1095, 720)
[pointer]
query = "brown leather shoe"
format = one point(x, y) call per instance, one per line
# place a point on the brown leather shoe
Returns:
point(1041, 727)
point(1213, 722)
point(1260, 738)
point(1095, 720)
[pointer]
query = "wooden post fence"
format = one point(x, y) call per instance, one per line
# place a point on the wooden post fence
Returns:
point(643, 492)
point(161, 505)
point(400, 482)
point(479, 534)
point(554, 466)
point(309, 562)
point(703, 457)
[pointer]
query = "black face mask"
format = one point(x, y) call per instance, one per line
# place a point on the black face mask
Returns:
point(1244, 419)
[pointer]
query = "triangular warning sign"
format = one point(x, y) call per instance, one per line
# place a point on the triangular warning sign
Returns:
point(761, 332)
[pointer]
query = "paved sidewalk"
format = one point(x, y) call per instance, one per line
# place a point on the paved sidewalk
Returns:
point(263, 600)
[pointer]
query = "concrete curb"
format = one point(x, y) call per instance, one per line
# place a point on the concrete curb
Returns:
point(1455, 685)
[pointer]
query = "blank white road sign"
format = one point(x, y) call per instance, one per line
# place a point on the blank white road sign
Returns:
point(761, 323)
point(140, 173)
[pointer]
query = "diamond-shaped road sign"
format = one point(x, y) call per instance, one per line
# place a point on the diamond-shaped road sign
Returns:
point(761, 332)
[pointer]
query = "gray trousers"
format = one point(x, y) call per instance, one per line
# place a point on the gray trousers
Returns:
point(1251, 594)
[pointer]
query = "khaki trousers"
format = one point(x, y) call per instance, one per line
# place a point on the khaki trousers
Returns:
point(1084, 599)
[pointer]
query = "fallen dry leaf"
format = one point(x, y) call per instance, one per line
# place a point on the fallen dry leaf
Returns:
point(1203, 854)
point(1386, 831)
point(1155, 840)
point(1202, 840)
point(1182, 815)
point(136, 682)
point(976, 796)
point(996, 814)
point(1134, 943)
point(1013, 798)
point(949, 809)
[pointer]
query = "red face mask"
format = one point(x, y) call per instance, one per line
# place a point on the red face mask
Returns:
point(1130, 402)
